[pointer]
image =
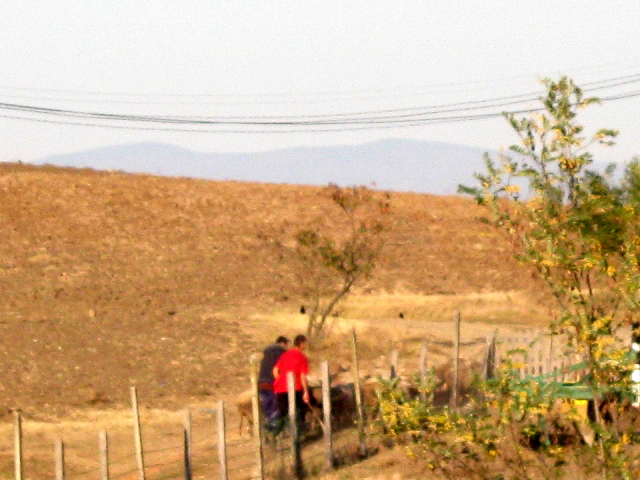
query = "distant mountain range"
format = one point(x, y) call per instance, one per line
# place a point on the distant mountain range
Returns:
point(398, 165)
point(393, 164)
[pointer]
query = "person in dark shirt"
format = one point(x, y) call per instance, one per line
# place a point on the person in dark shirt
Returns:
point(270, 357)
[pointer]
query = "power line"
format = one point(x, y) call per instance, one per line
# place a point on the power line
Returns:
point(320, 128)
point(385, 117)
point(231, 98)
point(475, 105)
point(486, 103)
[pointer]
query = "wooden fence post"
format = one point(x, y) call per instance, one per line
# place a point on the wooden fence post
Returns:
point(423, 372)
point(137, 433)
point(535, 353)
point(188, 442)
point(326, 410)
point(544, 351)
point(393, 372)
point(525, 348)
point(541, 355)
point(534, 347)
point(531, 353)
point(222, 442)
point(257, 417)
point(17, 453)
point(362, 448)
point(527, 357)
point(550, 362)
point(103, 449)
point(59, 456)
point(501, 348)
point(456, 362)
point(296, 458)
point(488, 370)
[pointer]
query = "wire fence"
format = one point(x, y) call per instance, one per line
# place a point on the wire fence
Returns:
point(204, 447)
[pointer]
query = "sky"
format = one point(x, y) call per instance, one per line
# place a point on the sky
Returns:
point(262, 59)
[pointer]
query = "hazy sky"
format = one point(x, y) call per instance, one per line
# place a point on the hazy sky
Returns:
point(264, 58)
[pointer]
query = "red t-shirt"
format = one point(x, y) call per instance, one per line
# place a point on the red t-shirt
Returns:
point(292, 360)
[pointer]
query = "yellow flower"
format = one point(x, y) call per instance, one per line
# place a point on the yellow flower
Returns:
point(512, 188)
point(611, 270)
point(467, 436)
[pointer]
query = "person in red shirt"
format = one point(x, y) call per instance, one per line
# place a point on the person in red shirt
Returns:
point(270, 356)
point(293, 360)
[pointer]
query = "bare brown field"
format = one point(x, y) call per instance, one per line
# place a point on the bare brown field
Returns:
point(110, 280)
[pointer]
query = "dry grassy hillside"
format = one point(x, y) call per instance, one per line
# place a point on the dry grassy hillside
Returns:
point(110, 279)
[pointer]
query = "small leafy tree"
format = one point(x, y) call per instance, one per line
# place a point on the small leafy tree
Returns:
point(576, 227)
point(339, 250)
point(580, 231)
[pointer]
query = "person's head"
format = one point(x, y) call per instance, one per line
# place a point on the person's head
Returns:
point(281, 340)
point(300, 342)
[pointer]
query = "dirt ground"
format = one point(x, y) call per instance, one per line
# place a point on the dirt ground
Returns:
point(388, 464)
point(162, 427)
point(110, 280)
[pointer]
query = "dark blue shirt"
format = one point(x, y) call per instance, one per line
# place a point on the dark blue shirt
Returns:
point(270, 357)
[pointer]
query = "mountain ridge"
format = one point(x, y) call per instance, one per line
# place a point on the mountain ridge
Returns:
point(391, 164)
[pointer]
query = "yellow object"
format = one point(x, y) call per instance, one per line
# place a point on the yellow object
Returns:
point(580, 408)
point(578, 412)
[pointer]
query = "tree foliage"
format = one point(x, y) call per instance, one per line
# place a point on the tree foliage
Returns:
point(575, 226)
point(337, 251)
point(578, 228)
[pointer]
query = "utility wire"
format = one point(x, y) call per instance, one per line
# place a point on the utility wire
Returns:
point(350, 118)
point(312, 127)
point(205, 102)
point(442, 120)
point(267, 121)
point(200, 96)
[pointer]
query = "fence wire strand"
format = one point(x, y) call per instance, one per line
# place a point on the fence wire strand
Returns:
point(165, 449)
point(240, 453)
point(241, 467)
point(122, 474)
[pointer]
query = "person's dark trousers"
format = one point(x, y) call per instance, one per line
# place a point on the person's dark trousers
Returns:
point(269, 404)
point(301, 407)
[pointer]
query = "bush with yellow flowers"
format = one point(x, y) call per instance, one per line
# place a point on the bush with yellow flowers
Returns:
point(511, 428)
